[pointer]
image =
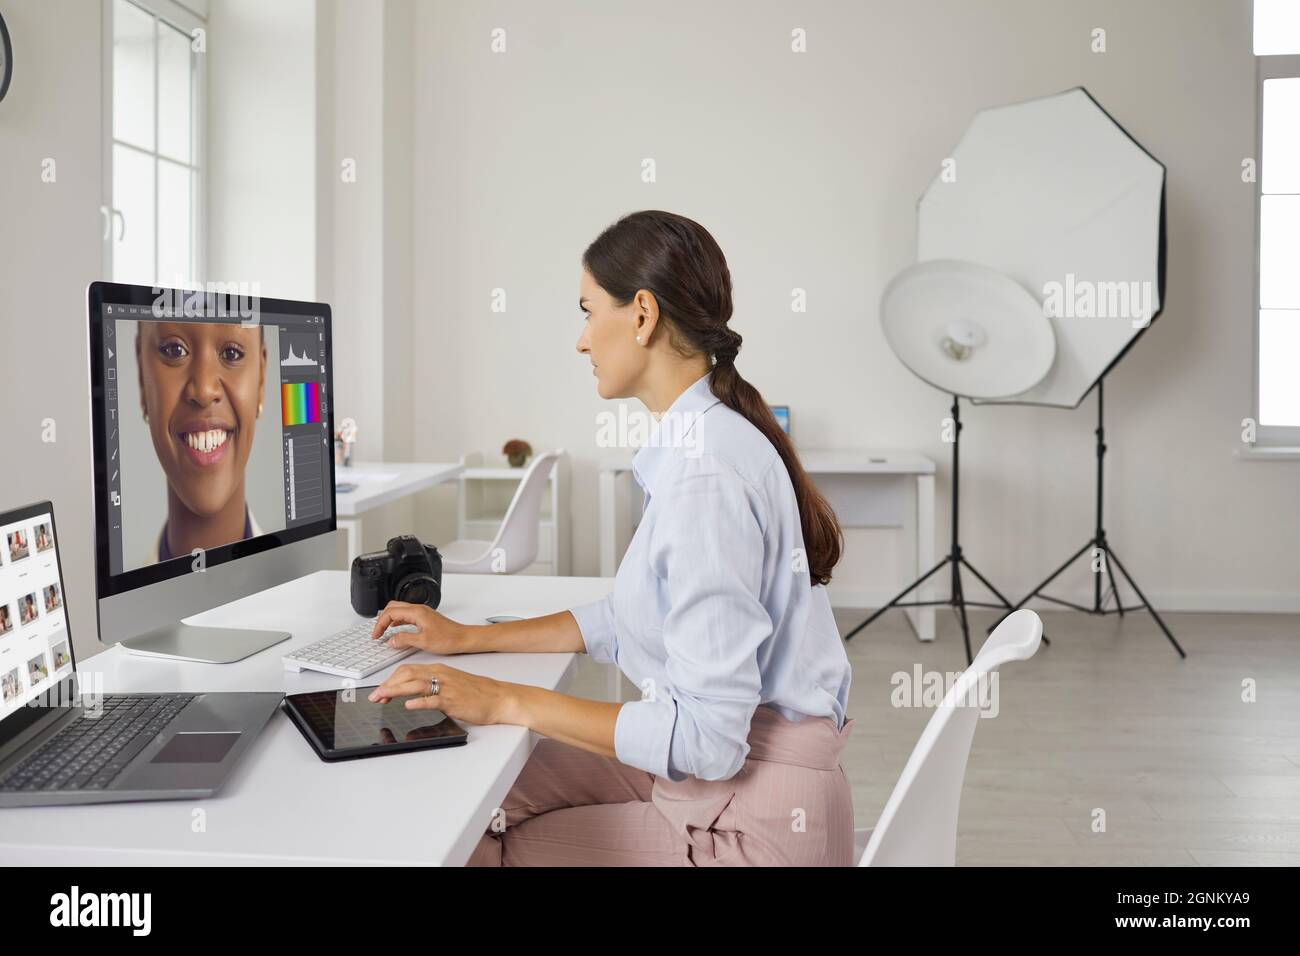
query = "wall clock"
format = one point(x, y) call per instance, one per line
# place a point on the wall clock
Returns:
point(6, 58)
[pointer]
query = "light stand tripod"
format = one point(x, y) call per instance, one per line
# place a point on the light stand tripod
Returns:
point(953, 558)
point(1101, 548)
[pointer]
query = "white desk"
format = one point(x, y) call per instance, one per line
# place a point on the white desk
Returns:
point(378, 483)
point(282, 804)
point(866, 489)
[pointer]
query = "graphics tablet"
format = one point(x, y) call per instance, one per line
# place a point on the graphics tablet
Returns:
point(343, 724)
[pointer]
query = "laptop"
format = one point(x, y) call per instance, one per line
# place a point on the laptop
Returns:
point(62, 741)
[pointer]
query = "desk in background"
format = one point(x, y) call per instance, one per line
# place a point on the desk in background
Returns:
point(866, 489)
point(282, 804)
point(378, 483)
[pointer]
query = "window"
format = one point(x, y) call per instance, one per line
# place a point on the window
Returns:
point(1277, 378)
point(153, 158)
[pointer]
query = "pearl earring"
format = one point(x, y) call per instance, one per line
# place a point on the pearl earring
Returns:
point(638, 340)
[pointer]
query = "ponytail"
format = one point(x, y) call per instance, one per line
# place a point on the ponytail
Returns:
point(822, 538)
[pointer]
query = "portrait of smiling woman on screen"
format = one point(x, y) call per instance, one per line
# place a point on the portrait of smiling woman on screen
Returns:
point(201, 393)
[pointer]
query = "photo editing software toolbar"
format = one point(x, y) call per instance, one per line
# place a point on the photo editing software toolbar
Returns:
point(294, 396)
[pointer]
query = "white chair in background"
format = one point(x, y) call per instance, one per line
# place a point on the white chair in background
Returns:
point(918, 826)
point(515, 545)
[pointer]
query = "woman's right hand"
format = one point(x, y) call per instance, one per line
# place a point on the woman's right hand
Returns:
point(434, 632)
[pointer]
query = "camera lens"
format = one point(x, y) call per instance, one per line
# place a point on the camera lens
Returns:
point(417, 589)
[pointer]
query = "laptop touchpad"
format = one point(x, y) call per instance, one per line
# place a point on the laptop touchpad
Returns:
point(197, 747)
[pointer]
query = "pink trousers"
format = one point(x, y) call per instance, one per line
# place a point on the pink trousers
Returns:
point(790, 805)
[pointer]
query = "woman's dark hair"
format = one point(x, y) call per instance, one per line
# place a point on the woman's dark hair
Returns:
point(677, 260)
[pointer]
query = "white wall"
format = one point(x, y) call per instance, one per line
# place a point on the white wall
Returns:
point(298, 89)
point(806, 168)
point(49, 252)
point(365, 95)
point(261, 145)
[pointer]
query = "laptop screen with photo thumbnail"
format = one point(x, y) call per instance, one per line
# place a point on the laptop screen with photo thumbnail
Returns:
point(35, 650)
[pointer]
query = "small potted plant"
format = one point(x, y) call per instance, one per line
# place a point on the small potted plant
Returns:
point(517, 451)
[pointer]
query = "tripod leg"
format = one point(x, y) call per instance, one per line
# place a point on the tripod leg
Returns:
point(1048, 580)
point(899, 596)
point(983, 580)
point(1105, 599)
point(1142, 597)
point(1114, 588)
point(959, 598)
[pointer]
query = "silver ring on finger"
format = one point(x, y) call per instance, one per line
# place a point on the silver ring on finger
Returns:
point(433, 687)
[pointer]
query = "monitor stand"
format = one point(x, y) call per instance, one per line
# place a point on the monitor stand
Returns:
point(207, 645)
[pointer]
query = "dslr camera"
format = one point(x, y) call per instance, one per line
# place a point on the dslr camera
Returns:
point(404, 571)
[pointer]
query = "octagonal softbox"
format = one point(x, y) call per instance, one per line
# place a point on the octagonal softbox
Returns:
point(1055, 194)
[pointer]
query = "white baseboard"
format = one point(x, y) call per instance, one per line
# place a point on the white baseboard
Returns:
point(1262, 602)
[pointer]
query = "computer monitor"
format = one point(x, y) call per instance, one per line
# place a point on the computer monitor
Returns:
point(213, 420)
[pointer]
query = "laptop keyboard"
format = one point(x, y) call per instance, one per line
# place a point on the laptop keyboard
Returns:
point(91, 751)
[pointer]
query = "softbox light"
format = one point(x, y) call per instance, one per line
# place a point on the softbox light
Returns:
point(1055, 194)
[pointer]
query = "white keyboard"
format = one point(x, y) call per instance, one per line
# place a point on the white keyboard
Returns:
point(349, 653)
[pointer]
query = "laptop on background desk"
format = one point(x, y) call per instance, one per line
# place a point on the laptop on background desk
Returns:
point(59, 745)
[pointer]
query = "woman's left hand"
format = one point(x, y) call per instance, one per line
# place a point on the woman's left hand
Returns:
point(463, 696)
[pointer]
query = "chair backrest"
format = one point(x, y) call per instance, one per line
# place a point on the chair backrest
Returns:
point(517, 536)
point(918, 826)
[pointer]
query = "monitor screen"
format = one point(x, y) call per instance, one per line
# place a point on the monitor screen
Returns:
point(35, 652)
point(213, 429)
point(782, 415)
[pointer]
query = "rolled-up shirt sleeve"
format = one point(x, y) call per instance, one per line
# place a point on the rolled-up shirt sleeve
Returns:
point(708, 550)
point(596, 624)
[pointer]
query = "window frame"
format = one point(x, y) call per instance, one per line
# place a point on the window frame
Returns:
point(1274, 439)
point(186, 19)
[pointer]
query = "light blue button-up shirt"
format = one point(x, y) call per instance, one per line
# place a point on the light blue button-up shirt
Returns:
point(712, 613)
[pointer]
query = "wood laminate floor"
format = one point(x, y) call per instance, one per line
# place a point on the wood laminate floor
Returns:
point(1108, 718)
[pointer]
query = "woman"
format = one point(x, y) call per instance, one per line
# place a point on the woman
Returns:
point(718, 613)
point(201, 386)
point(18, 545)
point(27, 608)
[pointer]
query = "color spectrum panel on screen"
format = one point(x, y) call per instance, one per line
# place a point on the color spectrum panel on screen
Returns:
point(300, 402)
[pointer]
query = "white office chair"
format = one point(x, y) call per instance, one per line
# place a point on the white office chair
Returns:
point(515, 546)
point(918, 826)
